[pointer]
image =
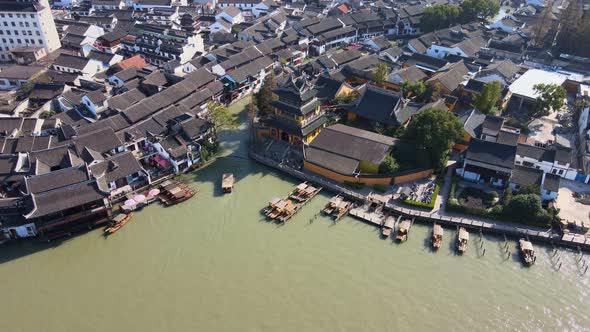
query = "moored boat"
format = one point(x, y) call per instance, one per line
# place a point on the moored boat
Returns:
point(337, 207)
point(437, 236)
point(403, 231)
point(304, 192)
point(118, 222)
point(387, 226)
point(227, 183)
point(175, 192)
point(462, 239)
point(527, 252)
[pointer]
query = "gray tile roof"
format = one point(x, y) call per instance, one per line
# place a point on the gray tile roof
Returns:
point(491, 153)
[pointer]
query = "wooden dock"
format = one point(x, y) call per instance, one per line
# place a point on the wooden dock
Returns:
point(576, 241)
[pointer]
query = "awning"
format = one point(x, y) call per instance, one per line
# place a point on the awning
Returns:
point(163, 162)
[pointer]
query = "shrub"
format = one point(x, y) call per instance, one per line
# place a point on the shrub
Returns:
point(354, 185)
point(388, 165)
point(380, 188)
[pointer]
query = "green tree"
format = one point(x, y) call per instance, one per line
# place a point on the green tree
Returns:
point(531, 189)
point(264, 97)
point(570, 22)
point(478, 9)
point(414, 88)
point(490, 94)
point(526, 208)
point(347, 98)
point(434, 92)
point(252, 111)
point(438, 17)
point(220, 117)
point(432, 132)
point(551, 97)
point(388, 165)
point(47, 114)
point(25, 89)
point(542, 24)
point(380, 74)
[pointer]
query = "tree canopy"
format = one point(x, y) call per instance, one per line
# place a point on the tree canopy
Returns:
point(551, 97)
point(388, 165)
point(380, 74)
point(220, 116)
point(490, 94)
point(474, 9)
point(443, 16)
point(438, 17)
point(414, 88)
point(526, 208)
point(432, 132)
point(264, 96)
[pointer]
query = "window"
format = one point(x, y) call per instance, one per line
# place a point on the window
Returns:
point(35, 24)
point(5, 23)
point(17, 15)
point(33, 41)
point(13, 24)
point(15, 33)
point(32, 16)
point(11, 41)
point(1, 32)
point(1, 15)
point(8, 32)
point(10, 15)
point(37, 33)
point(560, 172)
point(40, 41)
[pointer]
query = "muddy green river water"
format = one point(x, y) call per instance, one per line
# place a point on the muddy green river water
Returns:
point(214, 264)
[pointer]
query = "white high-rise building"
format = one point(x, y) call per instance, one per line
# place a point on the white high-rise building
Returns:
point(26, 23)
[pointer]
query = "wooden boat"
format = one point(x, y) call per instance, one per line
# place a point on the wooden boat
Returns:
point(175, 192)
point(304, 192)
point(273, 209)
point(462, 239)
point(437, 236)
point(337, 207)
point(227, 183)
point(527, 252)
point(281, 209)
point(118, 221)
point(332, 204)
point(387, 226)
point(403, 230)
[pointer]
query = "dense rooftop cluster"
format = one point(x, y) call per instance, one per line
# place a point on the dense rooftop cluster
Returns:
point(116, 95)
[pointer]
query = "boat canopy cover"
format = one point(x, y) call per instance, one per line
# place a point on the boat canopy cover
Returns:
point(437, 230)
point(526, 245)
point(406, 224)
point(463, 234)
point(389, 222)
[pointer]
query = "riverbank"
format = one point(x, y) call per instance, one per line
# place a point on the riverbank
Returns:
point(579, 242)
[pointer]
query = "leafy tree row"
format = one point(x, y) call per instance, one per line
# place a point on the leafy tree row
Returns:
point(443, 16)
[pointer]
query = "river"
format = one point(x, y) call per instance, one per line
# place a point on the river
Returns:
point(214, 264)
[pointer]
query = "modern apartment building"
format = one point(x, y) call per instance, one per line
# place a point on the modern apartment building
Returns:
point(26, 23)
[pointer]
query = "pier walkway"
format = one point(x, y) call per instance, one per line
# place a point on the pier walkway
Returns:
point(534, 234)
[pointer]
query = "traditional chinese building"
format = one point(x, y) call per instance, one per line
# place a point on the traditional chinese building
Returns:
point(297, 116)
